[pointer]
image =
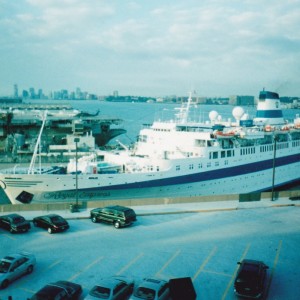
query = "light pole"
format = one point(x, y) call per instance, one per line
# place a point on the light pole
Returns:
point(76, 140)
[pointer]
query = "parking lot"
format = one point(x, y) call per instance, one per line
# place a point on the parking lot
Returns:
point(204, 246)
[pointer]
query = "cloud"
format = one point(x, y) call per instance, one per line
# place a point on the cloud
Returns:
point(195, 41)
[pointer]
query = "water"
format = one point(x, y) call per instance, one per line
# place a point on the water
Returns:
point(134, 115)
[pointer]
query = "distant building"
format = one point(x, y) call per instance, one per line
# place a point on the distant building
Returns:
point(31, 93)
point(25, 94)
point(242, 100)
point(16, 93)
point(116, 94)
point(201, 100)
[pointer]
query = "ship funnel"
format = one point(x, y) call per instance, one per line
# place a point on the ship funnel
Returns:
point(268, 109)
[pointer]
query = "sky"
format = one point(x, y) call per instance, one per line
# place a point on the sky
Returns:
point(151, 47)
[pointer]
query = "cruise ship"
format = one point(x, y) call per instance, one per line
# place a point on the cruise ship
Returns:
point(179, 157)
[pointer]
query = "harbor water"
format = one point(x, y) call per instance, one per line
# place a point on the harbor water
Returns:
point(136, 114)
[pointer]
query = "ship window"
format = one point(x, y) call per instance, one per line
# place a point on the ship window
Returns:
point(178, 168)
point(215, 155)
point(200, 143)
point(200, 166)
point(191, 167)
point(223, 154)
point(228, 153)
point(209, 165)
point(143, 138)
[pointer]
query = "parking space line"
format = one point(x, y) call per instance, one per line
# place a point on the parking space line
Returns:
point(86, 268)
point(27, 279)
point(27, 290)
point(217, 273)
point(54, 264)
point(167, 263)
point(9, 236)
point(130, 264)
point(235, 272)
point(274, 267)
point(212, 252)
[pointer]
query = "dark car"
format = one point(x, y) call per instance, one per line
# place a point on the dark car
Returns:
point(117, 215)
point(52, 222)
point(63, 290)
point(250, 279)
point(14, 223)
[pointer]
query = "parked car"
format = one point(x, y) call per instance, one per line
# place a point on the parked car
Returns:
point(152, 289)
point(14, 223)
point(117, 215)
point(14, 266)
point(113, 288)
point(52, 222)
point(62, 290)
point(250, 279)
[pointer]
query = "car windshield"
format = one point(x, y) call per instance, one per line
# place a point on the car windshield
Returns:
point(100, 292)
point(57, 219)
point(145, 293)
point(17, 220)
point(129, 213)
point(4, 266)
point(249, 271)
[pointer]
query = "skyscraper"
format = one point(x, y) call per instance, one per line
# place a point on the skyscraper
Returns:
point(16, 93)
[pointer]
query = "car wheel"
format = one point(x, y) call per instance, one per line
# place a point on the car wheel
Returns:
point(29, 269)
point(94, 219)
point(117, 224)
point(50, 230)
point(4, 284)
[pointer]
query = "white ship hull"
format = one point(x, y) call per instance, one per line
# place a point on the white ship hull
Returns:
point(245, 178)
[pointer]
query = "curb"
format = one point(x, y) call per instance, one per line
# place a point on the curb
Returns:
point(195, 211)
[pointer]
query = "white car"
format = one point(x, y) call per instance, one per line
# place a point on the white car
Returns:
point(152, 289)
point(14, 266)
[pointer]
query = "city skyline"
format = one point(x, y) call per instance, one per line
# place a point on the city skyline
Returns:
point(152, 48)
point(78, 94)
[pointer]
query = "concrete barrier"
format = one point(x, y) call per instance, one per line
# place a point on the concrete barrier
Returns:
point(56, 206)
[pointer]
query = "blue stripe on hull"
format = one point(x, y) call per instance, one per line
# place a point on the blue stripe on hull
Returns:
point(209, 175)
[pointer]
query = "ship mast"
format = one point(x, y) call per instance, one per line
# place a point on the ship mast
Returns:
point(37, 146)
point(184, 110)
